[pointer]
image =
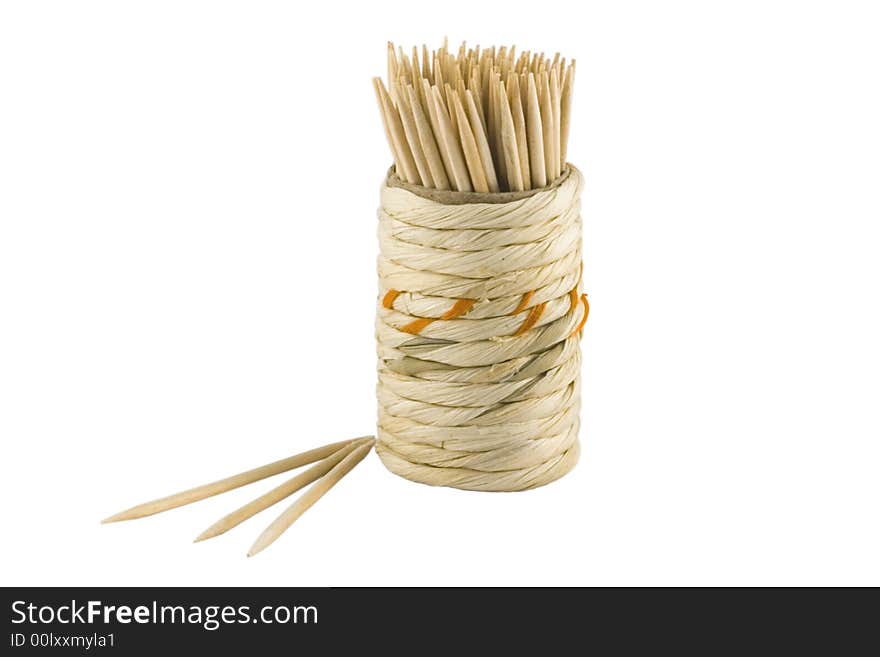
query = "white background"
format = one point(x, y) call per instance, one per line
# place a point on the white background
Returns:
point(187, 289)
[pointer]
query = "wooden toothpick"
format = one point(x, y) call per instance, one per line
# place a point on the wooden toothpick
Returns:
point(537, 163)
point(477, 126)
point(392, 62)
point(495, 95)
point(547, 126)
point(556, 109)
point(469, 145)
point(426, 138)
point(567, 89)
point(459, 171)
point(508, 143)
point(412, 138)
point(409, 173)
point(398, 166)
point(438, 133)
point(519, 124)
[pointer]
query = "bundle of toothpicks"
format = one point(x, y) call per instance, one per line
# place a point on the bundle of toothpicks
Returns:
point(479, 120)
point(333, 462)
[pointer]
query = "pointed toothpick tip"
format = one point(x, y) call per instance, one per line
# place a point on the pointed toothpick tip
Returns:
point(119, 517)
point(210, 532)
point(263, 541)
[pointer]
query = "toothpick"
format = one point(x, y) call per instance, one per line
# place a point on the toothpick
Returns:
point(469, 145)
point(438, 72)
point(485, 67)
point(436, 130)
point(404, 69)
point(426, 139)
point(567, 90)
point(416, 70)
point(307, 499)
point(508, 142)
point(476, 122)
point(412, 138)
point(519, 124)
point(459, 171)
point(450, 108)
point(398, 136)
point(495, 95)
point(556, 108)
point(386, 125)
point(547, 126)
point(477, 92)
point(536, 137)
point(227, 484)
point(392, 62)
point(426, 63)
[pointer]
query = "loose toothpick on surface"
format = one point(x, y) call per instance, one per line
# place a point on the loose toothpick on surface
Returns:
point(335, 461)
point(480, 119)
point(227, 484)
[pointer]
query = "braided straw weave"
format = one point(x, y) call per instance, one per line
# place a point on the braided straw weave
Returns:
point(477, 326)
